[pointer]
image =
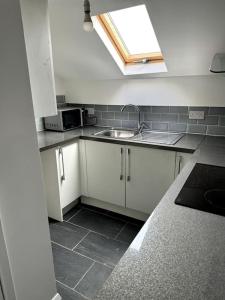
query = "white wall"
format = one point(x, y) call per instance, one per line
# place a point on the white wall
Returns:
point(187, 91)
point(22, 202)
point(59, 85)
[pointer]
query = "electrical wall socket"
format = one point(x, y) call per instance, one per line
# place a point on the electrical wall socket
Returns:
point(196, 115)
point(90, 110)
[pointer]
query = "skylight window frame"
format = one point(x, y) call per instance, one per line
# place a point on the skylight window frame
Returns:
point(128, 59)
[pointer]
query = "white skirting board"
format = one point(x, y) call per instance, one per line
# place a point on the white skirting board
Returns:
point(57, 297)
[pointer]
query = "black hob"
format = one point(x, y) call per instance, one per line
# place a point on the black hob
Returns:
point(204, 189)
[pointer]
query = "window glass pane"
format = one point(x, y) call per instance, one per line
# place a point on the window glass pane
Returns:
point(135, 29)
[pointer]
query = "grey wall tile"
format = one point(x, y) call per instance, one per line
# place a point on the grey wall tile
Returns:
point(215, 130)
point(160, 109)
point(130, 109)
point(121, 115)
point(114, 107)
point(108, 115)
point(199, 108)
point(133, 116)
point(176, 127)
point(185, 119)
point(98, 114)
point(145, 108)
point(102, 122)
point(217, 111)
point(221, 121)
point(114, 123)
point(159, 126)
point(209, 120)
point(197, 128)
point(129, 124)
point(89, 106)
point(101, 107)
point(179, 109)
point(169, 117)
point(151, 117)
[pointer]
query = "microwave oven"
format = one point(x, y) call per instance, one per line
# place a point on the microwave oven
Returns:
point(67, 118)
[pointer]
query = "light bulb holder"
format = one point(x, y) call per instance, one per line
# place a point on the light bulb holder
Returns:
point(87, 17)
point(88, 24)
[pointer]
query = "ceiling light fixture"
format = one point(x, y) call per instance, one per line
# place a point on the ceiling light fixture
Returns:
point(87, 25)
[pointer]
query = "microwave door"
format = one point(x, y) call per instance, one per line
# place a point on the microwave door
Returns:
point(71, 119)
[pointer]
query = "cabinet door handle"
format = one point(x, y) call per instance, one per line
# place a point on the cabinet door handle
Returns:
point(179, 164)
point(121, 163)
point(128, 165)
point(63, 177)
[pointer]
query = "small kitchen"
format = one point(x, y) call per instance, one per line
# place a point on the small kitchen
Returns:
point(121, 115)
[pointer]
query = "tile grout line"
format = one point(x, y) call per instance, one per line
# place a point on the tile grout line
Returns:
point(81, 240)
point(105, 214)
point(98, 233)
point(82, 277)
point(72, 289)
point(104, 235)
point(112, 217)
point(62, 246)
point(74, 251)
point(116, 236)
point(96, 261)
point(74, 214)
point(102, 213)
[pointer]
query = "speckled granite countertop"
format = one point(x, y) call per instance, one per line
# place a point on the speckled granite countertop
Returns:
point(50, 139)
point(180, 252)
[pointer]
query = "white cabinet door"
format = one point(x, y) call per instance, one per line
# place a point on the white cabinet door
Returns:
point(39, 55)
point(50, 167)
point(149, 172)
point(181, 160)
point(61, 171)
point(105, 172)
point(69, 173)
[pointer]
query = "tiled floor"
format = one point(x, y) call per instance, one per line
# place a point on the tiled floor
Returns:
point(86, 247)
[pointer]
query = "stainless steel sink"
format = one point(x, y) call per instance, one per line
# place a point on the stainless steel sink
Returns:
point(117, 133)
point(166, 138)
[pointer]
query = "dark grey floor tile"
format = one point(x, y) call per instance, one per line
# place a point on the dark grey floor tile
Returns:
point(68, 294)
point(93, 280)
point(72, 212)
point(128, 233)
point(69, 266)
point(98, 222)
point(125, 218)
point(102, 249)
point(94, 208)
point(66, 234)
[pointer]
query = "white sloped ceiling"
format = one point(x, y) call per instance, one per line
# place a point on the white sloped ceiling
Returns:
point(190, 32)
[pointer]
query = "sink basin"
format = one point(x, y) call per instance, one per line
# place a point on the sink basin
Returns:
point(117, 133)
point(166, 138)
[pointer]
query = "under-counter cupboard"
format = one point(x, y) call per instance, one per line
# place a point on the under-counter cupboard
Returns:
point(130, 178)
point(61, 171)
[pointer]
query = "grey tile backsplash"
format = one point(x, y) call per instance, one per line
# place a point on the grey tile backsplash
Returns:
point(163, 118)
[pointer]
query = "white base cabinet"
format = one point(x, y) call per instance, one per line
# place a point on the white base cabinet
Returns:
point(61, 170)
point(129, 176)
point(105, 165)
point(150, 172)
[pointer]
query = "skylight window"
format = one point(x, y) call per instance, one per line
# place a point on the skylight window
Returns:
point(130, 32)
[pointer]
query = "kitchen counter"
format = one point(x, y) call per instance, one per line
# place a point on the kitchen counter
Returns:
point(49, 139)
point(180, 252)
